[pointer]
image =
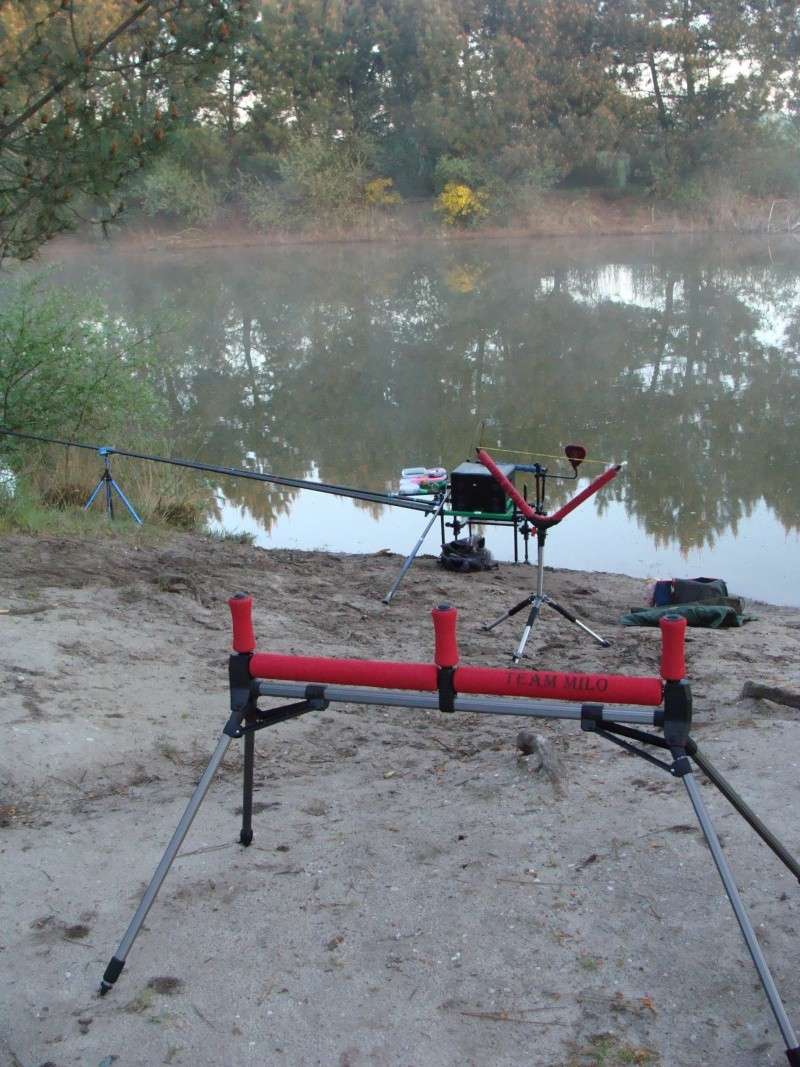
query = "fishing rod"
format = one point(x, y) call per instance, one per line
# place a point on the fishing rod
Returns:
point(236, 472)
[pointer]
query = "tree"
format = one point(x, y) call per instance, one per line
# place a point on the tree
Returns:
point(88, 92)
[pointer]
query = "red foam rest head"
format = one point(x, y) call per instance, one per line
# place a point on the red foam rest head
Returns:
point(244, 638)
point(444, 626)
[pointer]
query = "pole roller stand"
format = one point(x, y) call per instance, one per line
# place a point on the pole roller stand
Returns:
point(244, 638)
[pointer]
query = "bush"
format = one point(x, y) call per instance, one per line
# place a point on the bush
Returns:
point(68, 367)
point(170, 188)
point(459, 204)
point(266, 204)
point(379, 192)
point(325, 179)
point(453, 170)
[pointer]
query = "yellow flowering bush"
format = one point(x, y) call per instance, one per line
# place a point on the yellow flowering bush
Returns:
point(379, 193)
point(458, 203)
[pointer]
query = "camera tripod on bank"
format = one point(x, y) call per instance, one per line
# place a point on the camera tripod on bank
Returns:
point(542, 522)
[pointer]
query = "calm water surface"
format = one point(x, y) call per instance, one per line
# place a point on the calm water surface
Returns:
point(348, 362)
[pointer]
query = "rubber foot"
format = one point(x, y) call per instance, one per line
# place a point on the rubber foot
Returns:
point(246, 837)
point(605, 644)
point(793, 1055)
point(112, 973)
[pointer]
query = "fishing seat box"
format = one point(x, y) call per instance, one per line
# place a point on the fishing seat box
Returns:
point(472, 488)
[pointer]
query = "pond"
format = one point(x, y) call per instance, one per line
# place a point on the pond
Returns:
point(347, 362)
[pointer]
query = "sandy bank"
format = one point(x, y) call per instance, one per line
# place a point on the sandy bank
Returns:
point(416, 893)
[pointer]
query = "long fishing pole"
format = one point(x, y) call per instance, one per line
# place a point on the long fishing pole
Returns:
point(238, 472)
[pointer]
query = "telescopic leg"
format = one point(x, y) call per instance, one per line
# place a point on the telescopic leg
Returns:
point(246, 835)
point(93, 495)
point(526, 633)
point(131, 509)
point(413, 553)
point(511, 611)
point(767, 981)
point(577, 622)
point(117, 961)
point(730, 794)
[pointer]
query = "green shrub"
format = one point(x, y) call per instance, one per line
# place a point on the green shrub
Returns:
point(453, 170)
point(68, 367)
point(170, 188)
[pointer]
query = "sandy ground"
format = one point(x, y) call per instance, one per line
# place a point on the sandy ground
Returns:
point(417, 893)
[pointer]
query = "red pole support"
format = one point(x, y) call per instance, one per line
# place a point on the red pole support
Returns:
point(244, 638)
point(444, 628)
point(673, 659)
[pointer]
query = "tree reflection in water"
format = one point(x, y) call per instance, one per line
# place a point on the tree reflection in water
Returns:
point(353, 361)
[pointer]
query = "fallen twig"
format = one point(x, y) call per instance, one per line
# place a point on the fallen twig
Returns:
point(770, 692)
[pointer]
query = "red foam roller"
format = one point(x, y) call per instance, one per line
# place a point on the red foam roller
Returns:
point(673, 657)
point(244, 638)
point(555, 685)
point(490, 681)
point(344, 671)
point(444, 628)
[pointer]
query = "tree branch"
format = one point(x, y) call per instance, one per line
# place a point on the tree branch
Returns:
point(62, 83)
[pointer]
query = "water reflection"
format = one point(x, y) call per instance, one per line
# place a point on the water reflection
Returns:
point(353, 361)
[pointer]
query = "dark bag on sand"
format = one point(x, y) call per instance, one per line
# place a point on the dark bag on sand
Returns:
point(687, 591)
point(465, 555)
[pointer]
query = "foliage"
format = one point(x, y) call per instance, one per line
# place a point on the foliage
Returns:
point(458, 204)
point(265, 204)
point(379, 192)
point(452, 170)
point(89, 92)
point(170, 188)
point(68, 367)
point(313, 101)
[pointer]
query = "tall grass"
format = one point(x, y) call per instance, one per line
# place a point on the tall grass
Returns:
point(52, 484)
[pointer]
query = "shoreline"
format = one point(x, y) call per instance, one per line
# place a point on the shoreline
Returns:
point(566, 215)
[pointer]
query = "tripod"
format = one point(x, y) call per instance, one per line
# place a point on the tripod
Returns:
point(538, 599)
point(107, 482)
point(446, 686)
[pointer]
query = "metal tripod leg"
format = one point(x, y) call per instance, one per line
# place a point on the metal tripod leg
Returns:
point(511, 611)
point(767, 981)
point(94, 493)
point(413, 553)
point(131, 510)
point(747, 813)
point(246, 835)
point(111, 487)
point(117, 961)
point(526, 633)
point(576, 621)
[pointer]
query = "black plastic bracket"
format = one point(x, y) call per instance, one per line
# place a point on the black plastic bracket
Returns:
point(243, 697)
point(258, 719)
point(591, 718)
point(677, 716)
point(445, 683)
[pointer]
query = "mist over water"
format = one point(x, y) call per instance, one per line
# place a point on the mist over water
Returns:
point(348, 362)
